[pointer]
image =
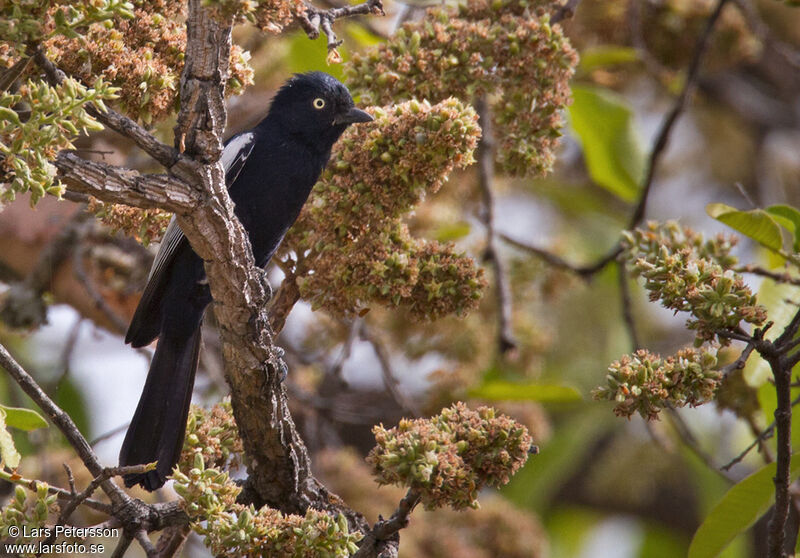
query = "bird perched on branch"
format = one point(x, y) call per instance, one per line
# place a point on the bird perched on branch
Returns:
point(269, 172)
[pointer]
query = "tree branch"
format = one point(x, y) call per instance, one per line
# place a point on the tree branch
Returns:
point(118, 185)
point(64, 423)
point(664, 132)
point(121, 124)
point(485, 156)
point(314, 19)
point(385, 531)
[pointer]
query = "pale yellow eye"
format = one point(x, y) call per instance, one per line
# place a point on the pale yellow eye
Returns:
point(319, 103)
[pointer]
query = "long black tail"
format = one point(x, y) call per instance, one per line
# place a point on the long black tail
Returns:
point(159, 424)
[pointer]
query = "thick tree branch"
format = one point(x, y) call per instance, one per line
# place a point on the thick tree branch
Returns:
point(118, 185)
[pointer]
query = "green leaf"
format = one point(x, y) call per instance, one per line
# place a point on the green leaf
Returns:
point(606, 55)
point(9, 456)
point(739, 508)
point(24, 419)
point(501, 390)
point(559, 459)
point(789, 218)
point(449, 232)
point(773, 297)
point(306, 55)
point(756, 224)
point(659, 542)
point(603, 124)
point(10, 115)
point(364, 37)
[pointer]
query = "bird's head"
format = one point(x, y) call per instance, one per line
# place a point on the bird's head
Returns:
point(315, 107)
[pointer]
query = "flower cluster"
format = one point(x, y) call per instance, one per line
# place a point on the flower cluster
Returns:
point(452, 456)
point(55, 116)
point(645, 383)
point(26, 22)
point(498, 528)
point(213, 434)
point(143, 56)
point(267, 15)
point(688, 274)
point(350, 243)
point(231, 529)
point(506, 50)
point(145, 225)
point(27, 514)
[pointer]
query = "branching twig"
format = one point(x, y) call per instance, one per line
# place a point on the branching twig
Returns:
point(99, 300)
point(688, 439)
point(64, 423)
point(566, 11)
point(385, 530)
point(121, 124)
point(627, 309)
point(776, 276)
point(485, 156)
point(85, 494)
point(24, 307)
point(389, 379)
point(659, 145)
point(664, 132)
point(33, 486)
point(314, 19)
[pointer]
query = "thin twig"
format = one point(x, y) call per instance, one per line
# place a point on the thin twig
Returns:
point(385, 529)
point(776, 276)
point(314, 20)
point(110, 434)
point(389, 378)
point(122, 546)
point(689, 440)
point(565, 12)
point(64, 423)
point(33, 486)
point(88, 283)
point(766, 35)
point(627, 306)
point(352, 336)
point(69, 349)
point(763, 435)
point(485, 155)
point(121, 124)
point(659, 145)
point(662, 138)
point(85, 494)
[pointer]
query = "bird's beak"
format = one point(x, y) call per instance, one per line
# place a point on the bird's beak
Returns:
point(352, 116)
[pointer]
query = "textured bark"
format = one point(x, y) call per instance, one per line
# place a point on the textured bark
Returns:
point(119, 185)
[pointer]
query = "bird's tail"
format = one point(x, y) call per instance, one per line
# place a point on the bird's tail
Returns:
point(159, 424)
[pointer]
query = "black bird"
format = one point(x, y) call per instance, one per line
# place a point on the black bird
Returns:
point(269, 171)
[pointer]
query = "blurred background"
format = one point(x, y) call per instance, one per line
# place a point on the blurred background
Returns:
point(601, 486)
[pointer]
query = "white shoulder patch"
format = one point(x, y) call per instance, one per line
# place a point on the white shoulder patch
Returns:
point(238, 145)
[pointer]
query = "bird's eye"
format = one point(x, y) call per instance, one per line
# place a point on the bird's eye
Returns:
point(319, 103)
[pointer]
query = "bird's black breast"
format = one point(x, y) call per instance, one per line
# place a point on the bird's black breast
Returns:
point(271, 189)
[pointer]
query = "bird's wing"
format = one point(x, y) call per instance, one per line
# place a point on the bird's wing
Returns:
point(144, 325)
point(237, 150)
